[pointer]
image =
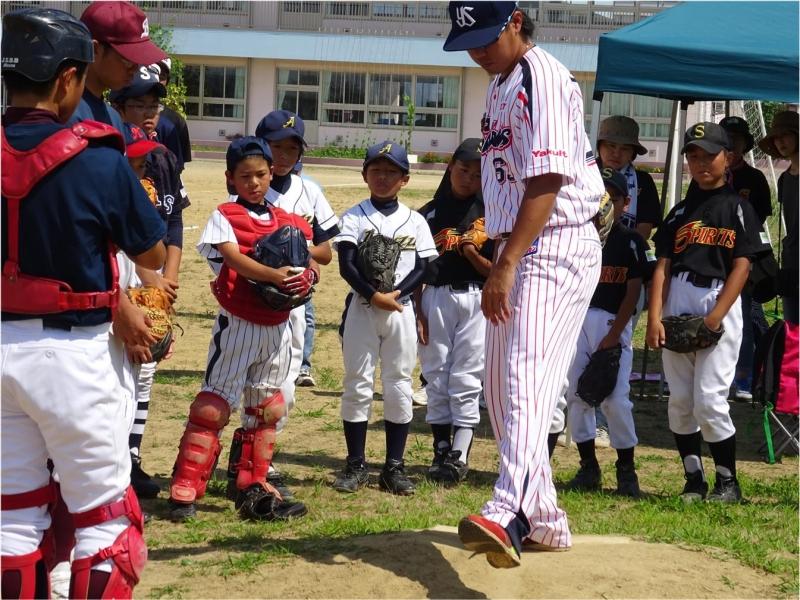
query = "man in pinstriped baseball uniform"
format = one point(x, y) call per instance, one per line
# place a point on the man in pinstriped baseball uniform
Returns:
point(541, 189)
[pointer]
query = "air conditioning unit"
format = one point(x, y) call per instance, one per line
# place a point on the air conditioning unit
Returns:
point(221, 133)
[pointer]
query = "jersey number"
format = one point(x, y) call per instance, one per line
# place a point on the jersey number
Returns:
point(500, 171)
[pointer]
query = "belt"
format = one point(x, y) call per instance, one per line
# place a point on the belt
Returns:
point(466, 286)
point(701, 281)
point(55, 324)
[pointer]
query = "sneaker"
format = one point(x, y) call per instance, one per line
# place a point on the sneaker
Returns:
point(452, 470)
point(695, 489)
point(142, 483)
point(742, 394)
point(420, 397)
point(276, 480)
point(601, 439)
point(354, 476)
point(304, 379)
point(439, 454)
point(627, 481)
point(483, 536)
point(726, 490)
point(393, 479)
point(180, 512)
point(587, 479)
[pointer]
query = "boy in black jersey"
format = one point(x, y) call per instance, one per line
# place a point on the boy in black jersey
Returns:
point(704, 250)
point(607, 324)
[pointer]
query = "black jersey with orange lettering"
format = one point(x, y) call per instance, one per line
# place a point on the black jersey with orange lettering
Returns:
point(624, 258)
point(709, 229)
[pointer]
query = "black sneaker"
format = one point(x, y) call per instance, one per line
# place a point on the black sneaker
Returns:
point(257, 504)
point(696, 487)
point(726, 490)
point(180, 512)
point(439, 456)
point(393, 479)
point(354, 476)
point(452, 470)
point(587, 479)
point(142, 483)
point(276, 480)
point(627, 481)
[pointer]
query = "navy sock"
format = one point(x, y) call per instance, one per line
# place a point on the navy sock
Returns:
point(690, 449)
point(724, 454)
point(355, 435)
point(441, 433)
point(396, 435)
point(586, 450)
point(552, 438)
point(624, 456)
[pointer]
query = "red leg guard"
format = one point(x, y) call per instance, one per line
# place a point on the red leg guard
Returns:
point(199, 447)
point(128, 553)
point(25, 576)
point(258, 444)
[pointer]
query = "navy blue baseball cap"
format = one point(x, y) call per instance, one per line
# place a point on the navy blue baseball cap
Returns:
point(391, 151)
point(477, 24)
point(243, 147)
point(738, 126)
point(279, 125)
point(615, 179)
point(145, 81)
point(706, 135)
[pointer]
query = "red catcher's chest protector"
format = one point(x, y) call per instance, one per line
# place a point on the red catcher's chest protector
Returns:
point(22, 170)
point(235, 293)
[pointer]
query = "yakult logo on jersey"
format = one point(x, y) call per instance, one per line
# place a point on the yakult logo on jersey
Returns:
point(498, 140)
point(548, 152)
point(695, 232)
point(613, 274)
point(463, 17)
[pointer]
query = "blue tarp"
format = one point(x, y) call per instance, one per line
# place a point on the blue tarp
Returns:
point(706, 51)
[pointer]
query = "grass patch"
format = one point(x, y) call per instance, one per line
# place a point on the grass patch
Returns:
point(328, 379)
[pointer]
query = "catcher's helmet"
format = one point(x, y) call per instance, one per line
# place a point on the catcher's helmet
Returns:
point(37, 40)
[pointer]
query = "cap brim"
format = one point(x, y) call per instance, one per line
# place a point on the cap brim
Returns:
point(144, 52)
point(709, 147)
point(282, 134)
point(474, 38)
point(640, 150)
point(390, 158)
point(141, 148)
point(137, 90)
point(616, 187)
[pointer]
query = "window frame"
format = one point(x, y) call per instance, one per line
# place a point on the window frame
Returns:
point(201, 99)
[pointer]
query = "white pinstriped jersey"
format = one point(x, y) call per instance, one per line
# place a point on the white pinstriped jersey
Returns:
point(533, 125)
point(217, 231)
point(404, 225)
point(305, 198)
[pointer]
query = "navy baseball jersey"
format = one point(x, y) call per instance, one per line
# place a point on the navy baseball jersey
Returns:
point(165, 189)
point(709, 229)
point(624, 258)
point(174, 134)
point(68, 218)
point(96, 109)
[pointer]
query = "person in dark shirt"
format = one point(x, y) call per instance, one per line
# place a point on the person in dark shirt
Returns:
point(450, 323)
point(172, 128)
point(704, 247)
point(782, 142)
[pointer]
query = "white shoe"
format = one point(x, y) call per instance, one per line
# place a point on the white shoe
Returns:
point(420, 397)
point(304, 379)
point(562, 440)
point(601, 439)
point(59, 580)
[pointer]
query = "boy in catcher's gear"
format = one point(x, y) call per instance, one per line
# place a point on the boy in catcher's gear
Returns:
point(380, 325)
point(64, 187)
point(608, 327)
point(704, 249)
point(249, 350)
point(450, 324)
point(541, 190)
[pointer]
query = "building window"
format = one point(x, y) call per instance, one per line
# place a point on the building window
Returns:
point(394, 10)
point(298, 91)
point(433, 11)
point(195, 6)
point(302, 7)
point(343, 97)
point(214, 92)
point(348, 9)
point(652, 114)
point(437, 101)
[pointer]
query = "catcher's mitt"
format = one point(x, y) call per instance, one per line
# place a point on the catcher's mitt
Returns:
point(257, 504)
point(688, 333)
point(157, 305)
point(286, 247)
point(475, 235)
point(599, 378)
point(377, 259)
point(604, 218)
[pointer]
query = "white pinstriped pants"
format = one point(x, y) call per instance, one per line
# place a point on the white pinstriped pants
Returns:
point(527, 359)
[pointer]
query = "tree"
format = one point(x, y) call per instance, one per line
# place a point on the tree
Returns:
point(176, 90)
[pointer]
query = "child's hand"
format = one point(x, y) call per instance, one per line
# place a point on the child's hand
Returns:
point(712, 323)
point(655, 336)
point(422, 329)
point(609, 341)
point(387, 301)
point(140, 354)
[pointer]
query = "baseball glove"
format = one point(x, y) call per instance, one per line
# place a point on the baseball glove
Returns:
point(599, 378)
point(286, 247)
point(688, 333)
point(377, 260)
point(257, 504)
point(604, 218)
point(475, 235)
point(157, 305)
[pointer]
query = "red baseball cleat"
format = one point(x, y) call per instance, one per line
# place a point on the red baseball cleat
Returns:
point(483, 536)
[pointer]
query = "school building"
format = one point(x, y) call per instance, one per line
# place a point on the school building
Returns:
point(352, 69)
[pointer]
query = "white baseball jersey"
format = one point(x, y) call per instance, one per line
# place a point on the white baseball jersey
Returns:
point(405, 225)
point(533, 125)
point(218, 230)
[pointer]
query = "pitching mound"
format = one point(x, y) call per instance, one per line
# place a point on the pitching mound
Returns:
point(433, 564)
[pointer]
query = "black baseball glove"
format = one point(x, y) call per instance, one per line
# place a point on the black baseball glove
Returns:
point(688, 333)
point(258, 504)
point(377, 260)
point(599, 378)
point(286, 247)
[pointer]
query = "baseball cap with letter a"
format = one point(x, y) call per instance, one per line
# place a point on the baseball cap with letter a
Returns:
point(477, 24)
point(391, 151)
point(124, 27)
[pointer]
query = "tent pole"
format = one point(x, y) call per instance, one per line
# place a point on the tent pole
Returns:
point(667, 199)
point(677, 182)
point(597, 102)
